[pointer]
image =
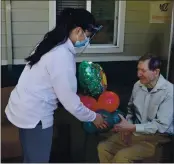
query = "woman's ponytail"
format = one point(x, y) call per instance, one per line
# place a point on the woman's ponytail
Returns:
point(57, 36)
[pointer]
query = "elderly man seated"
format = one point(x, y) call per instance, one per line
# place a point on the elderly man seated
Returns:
point(149, 119)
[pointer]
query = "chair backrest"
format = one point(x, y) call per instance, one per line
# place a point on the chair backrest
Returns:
point(5, 94)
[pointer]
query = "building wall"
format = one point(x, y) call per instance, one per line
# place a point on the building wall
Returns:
point(29, 24)
point(142, 36)
point(30, 21)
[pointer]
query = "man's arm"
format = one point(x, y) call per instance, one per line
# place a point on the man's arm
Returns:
point(163, 120)
point(130, 114)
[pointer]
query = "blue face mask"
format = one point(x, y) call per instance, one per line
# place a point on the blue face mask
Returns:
point(83, 43)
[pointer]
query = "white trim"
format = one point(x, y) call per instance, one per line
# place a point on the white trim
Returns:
point(98, 49)
point(8, 28)
point(170, 43)
point(15, 62)
point(0, 48)
point(107, 58)
point(115, 23)
point(52, 14)
point(121, 25)
point(88, 5)
point(90, 58)
point(4, 62)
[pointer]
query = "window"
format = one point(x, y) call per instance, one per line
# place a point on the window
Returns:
point(109, 13)
point(106, 15)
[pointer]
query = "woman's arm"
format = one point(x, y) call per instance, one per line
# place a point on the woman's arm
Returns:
point(63, 79)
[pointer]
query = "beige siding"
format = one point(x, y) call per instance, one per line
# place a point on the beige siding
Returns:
point(28, 28)
point(3, 53)
point(138, 6)
point(30, 22)
point(136, 16)
point(30, 5)
point(22, 52)
point(3, 41)
point(140, 33)
point(29, 15)
point(3, 27)
point(143, 28)
point(26, 40)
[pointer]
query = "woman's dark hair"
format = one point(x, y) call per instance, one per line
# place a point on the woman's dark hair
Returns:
point(68, 19)
point(154, 61)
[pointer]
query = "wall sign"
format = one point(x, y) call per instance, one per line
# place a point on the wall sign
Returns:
point(160, 11)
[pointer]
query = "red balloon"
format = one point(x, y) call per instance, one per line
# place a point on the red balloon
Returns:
point(109, 101)
point(89, 102)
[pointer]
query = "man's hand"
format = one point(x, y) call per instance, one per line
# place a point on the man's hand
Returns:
point(124, 126)
point(126, 137)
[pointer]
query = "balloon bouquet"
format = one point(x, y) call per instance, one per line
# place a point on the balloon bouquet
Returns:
point(96, 97)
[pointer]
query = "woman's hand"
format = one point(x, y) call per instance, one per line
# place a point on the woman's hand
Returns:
point(99, 121)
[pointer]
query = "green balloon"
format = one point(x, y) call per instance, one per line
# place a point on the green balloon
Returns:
point(91, 128)
point(90, 78)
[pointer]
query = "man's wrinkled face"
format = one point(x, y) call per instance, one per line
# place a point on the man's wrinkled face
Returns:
point(146, 75)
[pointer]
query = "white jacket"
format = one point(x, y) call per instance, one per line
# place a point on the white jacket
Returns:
point(40, 88)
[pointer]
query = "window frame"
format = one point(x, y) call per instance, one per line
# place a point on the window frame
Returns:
point(99, 48)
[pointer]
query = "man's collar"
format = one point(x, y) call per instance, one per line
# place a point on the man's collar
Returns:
point(160, 84)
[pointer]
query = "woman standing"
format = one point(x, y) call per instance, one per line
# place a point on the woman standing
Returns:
point(49, 77)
